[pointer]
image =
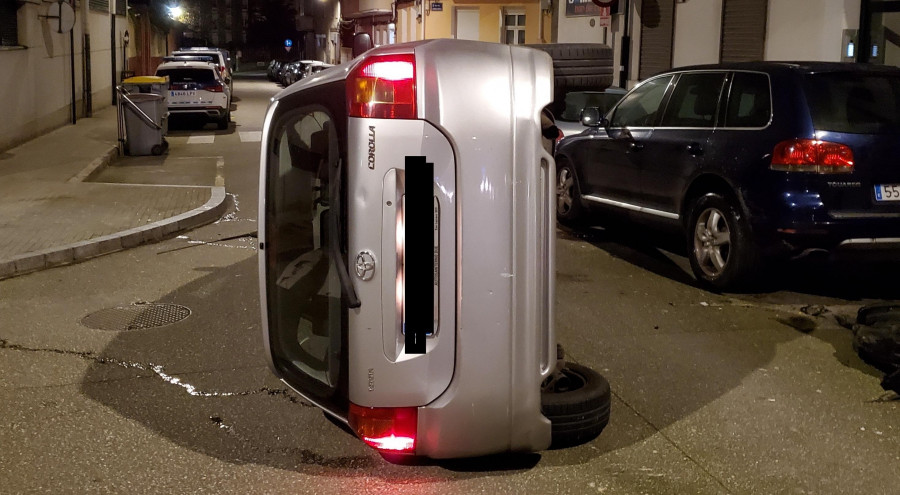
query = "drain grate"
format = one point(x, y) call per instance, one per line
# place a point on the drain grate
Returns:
point(138, 316)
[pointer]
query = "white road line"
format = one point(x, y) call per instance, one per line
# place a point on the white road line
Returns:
point(251, 136)
point(201, 139)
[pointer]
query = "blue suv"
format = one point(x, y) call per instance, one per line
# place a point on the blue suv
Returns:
point(750, 161)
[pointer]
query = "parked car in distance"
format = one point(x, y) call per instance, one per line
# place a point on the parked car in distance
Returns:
point(196, 88)
point(295, 71)
point(750, 161)
point(314, 66)
point(569, 120)
point(223, 59)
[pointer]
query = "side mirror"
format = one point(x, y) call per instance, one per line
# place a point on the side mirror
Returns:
point(590, 117)
point(362, 43)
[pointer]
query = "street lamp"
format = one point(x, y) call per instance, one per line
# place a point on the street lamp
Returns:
point(175, 12)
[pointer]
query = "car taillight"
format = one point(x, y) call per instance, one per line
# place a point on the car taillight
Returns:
point(391, 429)
point(215, 88)
point(222, 69)
point(812, 155)
point(383, 87)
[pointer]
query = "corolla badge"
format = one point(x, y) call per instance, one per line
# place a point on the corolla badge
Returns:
point(365, 265)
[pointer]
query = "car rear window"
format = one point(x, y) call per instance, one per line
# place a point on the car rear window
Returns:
point(854, 103)
point(188, 75)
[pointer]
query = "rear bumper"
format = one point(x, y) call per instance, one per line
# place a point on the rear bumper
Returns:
point(800, 217)
point(212, 113)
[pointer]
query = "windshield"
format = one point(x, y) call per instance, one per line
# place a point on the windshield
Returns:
point(854, 103)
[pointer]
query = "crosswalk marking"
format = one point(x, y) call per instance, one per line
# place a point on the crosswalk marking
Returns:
point(202, 139)
point(251, 136)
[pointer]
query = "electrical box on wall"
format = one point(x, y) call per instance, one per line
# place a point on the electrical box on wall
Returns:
point(850, 45)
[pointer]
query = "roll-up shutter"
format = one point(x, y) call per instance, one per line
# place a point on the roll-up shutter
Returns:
point(743, 30)
point(657, 28)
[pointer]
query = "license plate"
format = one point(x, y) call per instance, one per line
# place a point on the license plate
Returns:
point(887, 192)
point(181, 93)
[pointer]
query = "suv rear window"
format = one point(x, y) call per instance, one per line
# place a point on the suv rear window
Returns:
point(188, 75)
point(854, 103)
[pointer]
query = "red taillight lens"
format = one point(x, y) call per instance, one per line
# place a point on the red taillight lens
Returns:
point(215, 88)
point(391, 429)
point(812, 155)
point(383, 87)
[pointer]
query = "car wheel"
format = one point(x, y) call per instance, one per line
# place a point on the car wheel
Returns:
point(577, 404)
point(568, 198)
point(224, 121)
point(720, 247)
point(157, 149)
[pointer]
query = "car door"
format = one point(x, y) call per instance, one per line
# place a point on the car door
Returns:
point(610, 171)
point(677, 149)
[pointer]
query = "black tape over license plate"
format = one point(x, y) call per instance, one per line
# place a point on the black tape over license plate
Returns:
point(419, 225)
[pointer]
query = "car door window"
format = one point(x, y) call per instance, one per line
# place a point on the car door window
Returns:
point(640, 107)
point(694, 100)
point(749, 101)
point(305, 302)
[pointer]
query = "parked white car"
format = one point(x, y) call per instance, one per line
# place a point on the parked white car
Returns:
point(222, 59)
point(196, 88)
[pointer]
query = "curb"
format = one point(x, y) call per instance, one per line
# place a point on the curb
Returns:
point(98, 246)
point(96, 166)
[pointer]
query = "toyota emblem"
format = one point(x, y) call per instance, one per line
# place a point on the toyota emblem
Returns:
point(365, 265)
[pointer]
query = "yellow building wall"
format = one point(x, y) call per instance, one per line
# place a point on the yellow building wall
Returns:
point(490, 22)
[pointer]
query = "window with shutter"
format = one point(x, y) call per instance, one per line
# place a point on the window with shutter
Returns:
point(99, 5)
point(657, 30)
point(743, 30)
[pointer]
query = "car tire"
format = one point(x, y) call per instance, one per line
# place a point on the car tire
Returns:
point(719, 243)
point(569, 209)
point(578, 406)
point(224, 121)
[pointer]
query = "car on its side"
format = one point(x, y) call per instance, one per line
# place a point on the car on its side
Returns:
point(196, 88)
point(751, 161)
point(373, 308)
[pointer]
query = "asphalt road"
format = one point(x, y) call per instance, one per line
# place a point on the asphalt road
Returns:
point(712, 393)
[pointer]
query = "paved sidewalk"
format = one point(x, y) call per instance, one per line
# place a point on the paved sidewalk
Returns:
point(49, 216)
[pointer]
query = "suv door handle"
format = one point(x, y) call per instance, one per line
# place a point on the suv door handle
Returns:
point(635, 146)
point(695, 149)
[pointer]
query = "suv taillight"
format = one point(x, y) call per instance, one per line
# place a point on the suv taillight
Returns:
point(383, 87)
point(812, 155)
point(215, 88)
point(389, 429)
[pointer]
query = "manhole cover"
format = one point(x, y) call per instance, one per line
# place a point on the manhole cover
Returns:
point(138, 316)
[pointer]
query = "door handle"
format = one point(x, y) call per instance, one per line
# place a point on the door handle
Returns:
point(695, 149)
point(635, 146)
